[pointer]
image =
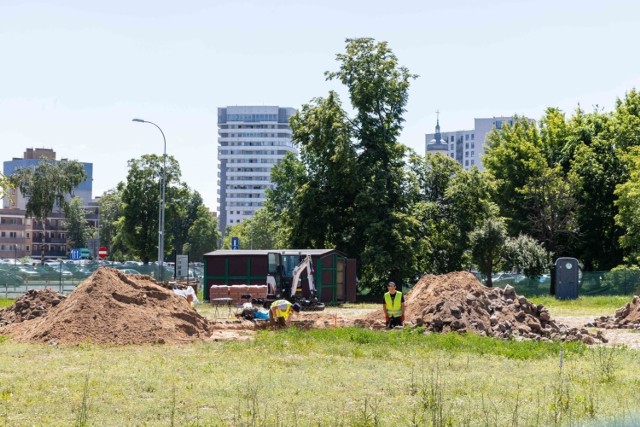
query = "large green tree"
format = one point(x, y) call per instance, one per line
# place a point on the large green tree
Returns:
point(76, 224)
point(110, 224)
point(378, 89)
point(47, 185)
point(448, 202)
point(141, 195)
point(203, 235)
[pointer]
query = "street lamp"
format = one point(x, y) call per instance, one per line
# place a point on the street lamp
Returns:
point(161, 214)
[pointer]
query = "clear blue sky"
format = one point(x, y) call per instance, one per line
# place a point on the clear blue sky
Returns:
point(74, 73)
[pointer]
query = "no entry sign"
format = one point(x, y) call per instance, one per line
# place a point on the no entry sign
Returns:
point(102, 252)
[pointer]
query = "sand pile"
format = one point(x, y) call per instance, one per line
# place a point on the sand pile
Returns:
point(110, 307)
point(627, 317)
point(458, 302)
point(30, 305)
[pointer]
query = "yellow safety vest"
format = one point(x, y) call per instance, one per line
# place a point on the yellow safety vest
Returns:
point(394, 308)
point(279, 312)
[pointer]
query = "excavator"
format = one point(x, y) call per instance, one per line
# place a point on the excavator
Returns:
point(281, 284)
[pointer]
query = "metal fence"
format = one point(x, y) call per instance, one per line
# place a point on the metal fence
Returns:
point(614, 282)
point(15, 280)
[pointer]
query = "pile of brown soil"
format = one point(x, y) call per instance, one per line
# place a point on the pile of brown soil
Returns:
point(30, 305)
point(110, 307)
point(627, 317)
point(458, 302)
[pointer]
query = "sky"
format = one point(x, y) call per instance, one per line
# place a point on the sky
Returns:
point(74, 73)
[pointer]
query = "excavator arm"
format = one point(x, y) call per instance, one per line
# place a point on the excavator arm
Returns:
point(307, 264)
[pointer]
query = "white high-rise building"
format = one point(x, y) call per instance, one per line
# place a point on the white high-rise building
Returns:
point(467, 146)
point(251, 140)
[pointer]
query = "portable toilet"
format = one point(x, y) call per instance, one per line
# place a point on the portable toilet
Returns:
point(567, 278)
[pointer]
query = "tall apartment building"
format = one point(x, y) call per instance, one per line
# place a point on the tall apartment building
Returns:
point(465, 146)
point(251, 140)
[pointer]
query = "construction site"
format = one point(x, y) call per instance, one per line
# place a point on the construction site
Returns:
point(113, 308)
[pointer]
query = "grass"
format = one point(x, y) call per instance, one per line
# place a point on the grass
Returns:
point(326, 377)
point(583, 306)
point(348, 377)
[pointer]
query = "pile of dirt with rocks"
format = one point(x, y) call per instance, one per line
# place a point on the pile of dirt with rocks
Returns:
point(110, 307)
point(627, 317)
point(458, 302)
point(30, 305)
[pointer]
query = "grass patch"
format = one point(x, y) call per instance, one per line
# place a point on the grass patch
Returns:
point(600, 305)
point(5, 302)
point(341, 377)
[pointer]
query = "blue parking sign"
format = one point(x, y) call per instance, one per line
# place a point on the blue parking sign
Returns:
point(235, 243)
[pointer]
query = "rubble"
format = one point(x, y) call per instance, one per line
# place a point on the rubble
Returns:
point(30, 305)
point(627, 317)
point(457, 302)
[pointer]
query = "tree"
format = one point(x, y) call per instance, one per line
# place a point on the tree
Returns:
point(326, 199)
point(551, 209)
point(141, 195)
point(378, 90)
point(109, 225)
point(76, 224)
point(46, 185)
point(524, 254)
point(203, 234)
point(448, 203)
point(5, 185)
point(487, 242)
point(513, 155)
point(628, 204)
point(491, 248)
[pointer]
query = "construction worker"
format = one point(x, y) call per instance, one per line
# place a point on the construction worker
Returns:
point(393, 306)
point(281, 311)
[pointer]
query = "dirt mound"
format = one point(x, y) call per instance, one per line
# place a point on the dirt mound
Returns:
point(627, 317)
point(110, 307)
point(458, 302)
point(30, 305)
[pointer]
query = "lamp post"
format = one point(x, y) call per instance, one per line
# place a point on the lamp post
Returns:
point(161, 214)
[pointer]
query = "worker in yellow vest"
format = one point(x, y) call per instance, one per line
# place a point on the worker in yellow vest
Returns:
point(281, 311)
point(393, 306)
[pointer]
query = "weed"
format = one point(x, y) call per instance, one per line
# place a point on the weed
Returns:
point(605, 363)
point(82, 417)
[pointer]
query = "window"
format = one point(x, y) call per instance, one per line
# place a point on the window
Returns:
point(473, 162)
point(451, 138)
point(466, 162)
point(466, 137)
point(473, 136)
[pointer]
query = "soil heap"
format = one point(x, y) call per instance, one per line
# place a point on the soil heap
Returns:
point(30, 305)
point(627, 317)
point(458, 302)
point(110, 307)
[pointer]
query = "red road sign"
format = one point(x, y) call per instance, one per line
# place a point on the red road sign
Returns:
point(102, 252)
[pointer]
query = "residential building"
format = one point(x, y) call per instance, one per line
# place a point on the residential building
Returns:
point(467, 146)
point(31, 158)
point(27, 237)
point(251, 140)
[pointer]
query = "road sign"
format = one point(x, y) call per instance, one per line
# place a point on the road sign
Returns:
point(182, 266)
point(235, 243)
point(102, 252)
point(75, 254)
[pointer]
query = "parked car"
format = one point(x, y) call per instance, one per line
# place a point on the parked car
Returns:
point(503, 279)
point(9, 279)
point(129, 271)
